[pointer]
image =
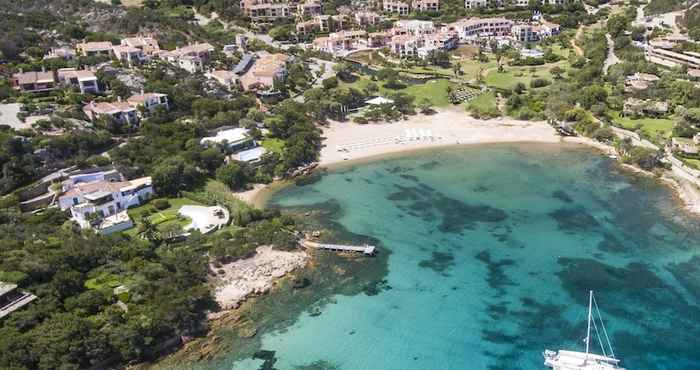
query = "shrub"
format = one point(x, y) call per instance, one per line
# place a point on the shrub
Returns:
point(161, 204)
point(539, 82)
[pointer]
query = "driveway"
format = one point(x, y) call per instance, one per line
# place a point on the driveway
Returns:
point(8, 116)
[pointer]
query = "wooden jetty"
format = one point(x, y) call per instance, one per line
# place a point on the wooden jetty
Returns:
point(367, 250)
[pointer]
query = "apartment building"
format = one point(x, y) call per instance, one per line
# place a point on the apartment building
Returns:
point(405, 45)
point(266, 9)
point(475, 4)
point(366, 18)
point(474, 28)
point(309, 8)
point(425, 5)
point(396, 7)
point(413, 27)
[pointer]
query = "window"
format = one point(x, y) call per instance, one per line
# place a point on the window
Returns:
point(75, 201)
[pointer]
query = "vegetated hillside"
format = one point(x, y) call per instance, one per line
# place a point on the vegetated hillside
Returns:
point(663, 6)
point(692, 21)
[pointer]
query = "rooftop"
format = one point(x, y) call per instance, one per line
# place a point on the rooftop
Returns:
point(34, 77)
point(230, 136)
point(108, 107)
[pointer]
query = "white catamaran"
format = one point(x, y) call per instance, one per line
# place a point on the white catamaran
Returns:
point(573, 360)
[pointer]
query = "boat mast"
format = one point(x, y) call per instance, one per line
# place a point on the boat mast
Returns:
point(588, 331)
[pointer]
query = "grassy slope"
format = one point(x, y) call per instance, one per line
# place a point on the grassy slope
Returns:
point(651, 127)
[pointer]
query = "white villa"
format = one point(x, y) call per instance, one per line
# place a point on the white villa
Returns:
point(101, 201)
point(84, 80)
point(149, 101)
point(231, 140)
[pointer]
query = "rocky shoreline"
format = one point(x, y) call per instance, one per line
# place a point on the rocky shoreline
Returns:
point(241, 279)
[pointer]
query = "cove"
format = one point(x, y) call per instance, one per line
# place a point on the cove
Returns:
point(490, 252)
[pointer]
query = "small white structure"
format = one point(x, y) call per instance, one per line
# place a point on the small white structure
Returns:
point(205, 219)
point(379, 101)
point(531, 53)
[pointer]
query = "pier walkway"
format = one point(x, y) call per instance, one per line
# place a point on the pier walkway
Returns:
point(367, 250)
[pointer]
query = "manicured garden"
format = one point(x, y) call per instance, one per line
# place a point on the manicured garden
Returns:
point(162, 213)
point(649, 127)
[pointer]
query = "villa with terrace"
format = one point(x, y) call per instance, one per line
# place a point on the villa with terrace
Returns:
point(120, 112)
point(265, 72)
point(147, 44)
point(94, 48)
point(100, 203)
point(34, 82)
point(236, 143)
point(149, 101)
point(191, 58)
point(83, 80)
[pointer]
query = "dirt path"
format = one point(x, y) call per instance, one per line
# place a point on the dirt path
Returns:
point(577, 49)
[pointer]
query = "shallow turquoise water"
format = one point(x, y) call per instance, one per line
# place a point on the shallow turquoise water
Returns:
point(491, 253)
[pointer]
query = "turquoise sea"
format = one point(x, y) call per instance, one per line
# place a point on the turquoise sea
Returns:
point(488, 254)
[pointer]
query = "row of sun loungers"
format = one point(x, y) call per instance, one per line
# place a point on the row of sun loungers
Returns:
point(410, 135)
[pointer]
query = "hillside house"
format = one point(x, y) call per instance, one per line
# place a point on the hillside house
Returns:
point(225, 78)
point(119, 112)
point(148, 45)
point(34, 82)
point(149, 101)
point(90, 49)
point(102, 204)
point(191, 58)
point(129, 55)
point(230, 140)
point(265, 72)
point(83, 80)
point(63, 52)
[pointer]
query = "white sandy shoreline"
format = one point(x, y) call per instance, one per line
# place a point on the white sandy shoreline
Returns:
point(448, 127)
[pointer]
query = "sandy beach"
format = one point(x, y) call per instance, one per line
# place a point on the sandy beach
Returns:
point(346, 141)
point(350, 143)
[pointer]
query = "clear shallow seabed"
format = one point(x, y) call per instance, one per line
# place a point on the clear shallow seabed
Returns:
point(491, 251)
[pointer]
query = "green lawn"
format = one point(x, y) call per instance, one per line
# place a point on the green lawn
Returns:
point(160, 218)
point(512, 75)
point(694, 163)
point(434, 90)
point(471, 68)
point(484, 101)
point(650, 127)
point(273, 145)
